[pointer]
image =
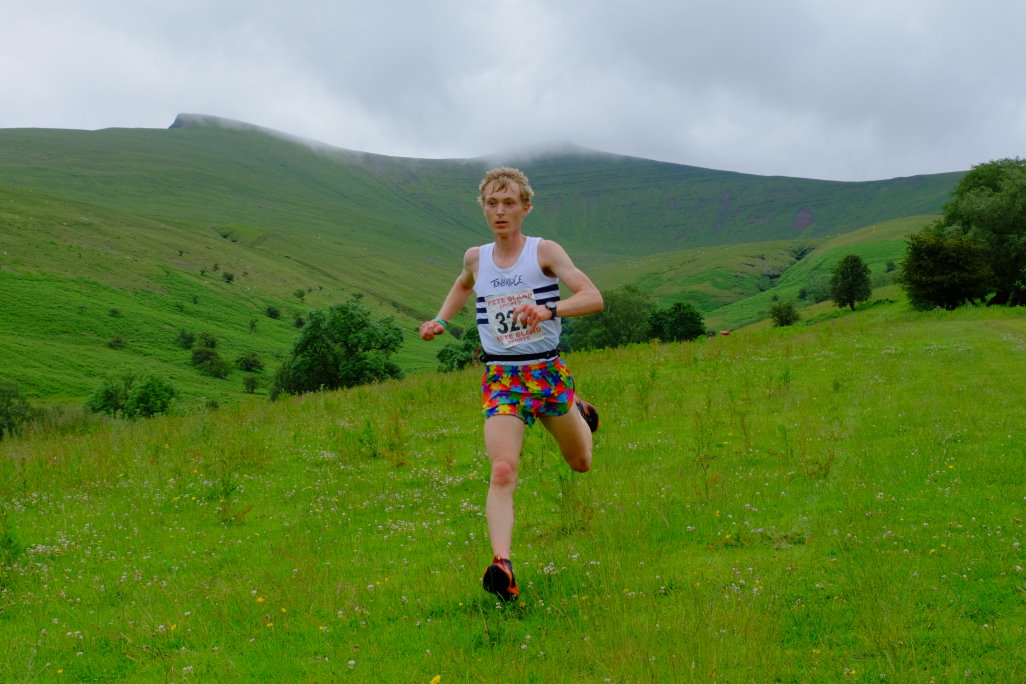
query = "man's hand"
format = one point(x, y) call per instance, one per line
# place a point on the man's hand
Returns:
point(531, 315)
point(429, 329)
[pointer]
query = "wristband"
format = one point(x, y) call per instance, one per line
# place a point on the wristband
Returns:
point(444, 323)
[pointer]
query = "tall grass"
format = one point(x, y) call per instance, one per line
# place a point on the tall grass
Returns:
point(832, 502)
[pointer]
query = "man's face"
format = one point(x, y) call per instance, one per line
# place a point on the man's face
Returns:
point(504, 209)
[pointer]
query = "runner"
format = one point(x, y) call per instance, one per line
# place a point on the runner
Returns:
point(516, 282)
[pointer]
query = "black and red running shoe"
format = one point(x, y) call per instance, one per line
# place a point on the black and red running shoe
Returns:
point(590, 414)
point(499, 579)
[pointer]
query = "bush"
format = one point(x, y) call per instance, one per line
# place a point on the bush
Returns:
point(784, 313)
point(207, 340)
point(273, 312)
point(945, 269)
point(458, 354)
point(678, 323)
point(130, 396)
point(250, 362)
point(117, 342)
point(250, 383)
point(209, 362)
point(340, 347)
point(185, 339)
point(625, 319)
point(15, 410)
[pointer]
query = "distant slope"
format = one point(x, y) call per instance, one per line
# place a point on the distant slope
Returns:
point(734, 285)
point(148, 221)
point(604, 207)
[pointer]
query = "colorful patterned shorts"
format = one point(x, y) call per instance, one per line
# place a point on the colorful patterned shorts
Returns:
point(529, 391)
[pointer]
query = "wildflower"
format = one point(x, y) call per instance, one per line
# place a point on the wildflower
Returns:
point(436, 679)
point(260, 599)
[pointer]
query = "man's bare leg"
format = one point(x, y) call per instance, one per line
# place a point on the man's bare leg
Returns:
point(504, 436)
point(573, 437)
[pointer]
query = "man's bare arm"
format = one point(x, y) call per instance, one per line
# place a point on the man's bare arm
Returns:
point(586, 298)
point(457, 297)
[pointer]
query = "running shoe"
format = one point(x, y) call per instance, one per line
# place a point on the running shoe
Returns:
point(499, 579)
point(590, 414)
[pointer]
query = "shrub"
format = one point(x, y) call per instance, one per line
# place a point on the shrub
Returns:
point(228, 277)
point(209, 362)
point(250, 362)
point(250, 383)
point(273, 312)
point(130, 396)
point(784, 313)
point(340, 347)
point(15, 410)
point(678, 323)
point(117, 342)
point(624, 320)
point(185, 339)
point(458, 354)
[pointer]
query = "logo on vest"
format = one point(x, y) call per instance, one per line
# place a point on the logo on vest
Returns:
point(504, 281)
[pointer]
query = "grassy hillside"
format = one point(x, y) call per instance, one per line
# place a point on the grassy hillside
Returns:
point(148, 222)
point(835, 502)
point(735, 285)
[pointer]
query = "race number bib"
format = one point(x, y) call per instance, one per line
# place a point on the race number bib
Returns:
point(507, 331)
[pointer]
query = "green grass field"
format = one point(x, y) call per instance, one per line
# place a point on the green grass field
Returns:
point(839, 501)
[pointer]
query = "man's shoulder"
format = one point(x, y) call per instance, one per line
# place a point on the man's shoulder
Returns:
point(549, 249)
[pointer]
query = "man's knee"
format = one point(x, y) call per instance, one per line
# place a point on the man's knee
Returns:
point(579, 461)
point(504, 473)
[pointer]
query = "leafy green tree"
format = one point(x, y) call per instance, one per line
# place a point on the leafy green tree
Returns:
point(625, 319)
point(944, 269)
point(249, 362)
point(209, 362)
point(677, 323)
point(130, 396)
point(185, 339)
point(15, 409)
point(342, 346)
point(989, 206)
point(784, 313)
point(459, 353)
point(849, 282)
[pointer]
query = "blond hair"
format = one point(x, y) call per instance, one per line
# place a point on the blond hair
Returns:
point(503, 177)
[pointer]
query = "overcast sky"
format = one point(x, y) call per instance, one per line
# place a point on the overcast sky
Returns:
point(844, 90)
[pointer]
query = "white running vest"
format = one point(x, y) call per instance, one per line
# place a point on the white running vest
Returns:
point(500, 290)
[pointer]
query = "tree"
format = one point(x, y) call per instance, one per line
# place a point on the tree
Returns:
point(784, 313)
point(459, 353)
point(130, 396)
point(849, 282)
point(678, 323)
point(209, 362)
point(945, 269)
point(989, 207)
point(249, 362)
point(342, 346)
point(625, 319)
point(15, 409)
point(250, 383)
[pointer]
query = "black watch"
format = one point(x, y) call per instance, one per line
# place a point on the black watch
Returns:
point(551, 306)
